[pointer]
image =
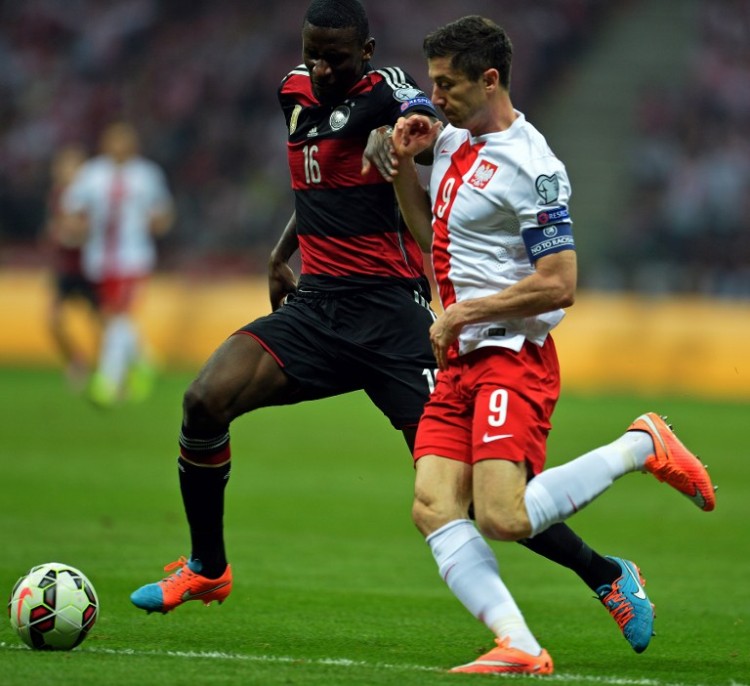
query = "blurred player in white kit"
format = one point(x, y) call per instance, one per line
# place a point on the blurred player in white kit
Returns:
point(116, 207)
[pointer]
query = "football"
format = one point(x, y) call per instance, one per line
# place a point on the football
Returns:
point(53, 607)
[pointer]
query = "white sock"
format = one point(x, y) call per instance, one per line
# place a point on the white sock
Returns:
point(119, 349)
point(469, 567)
point(557, 493)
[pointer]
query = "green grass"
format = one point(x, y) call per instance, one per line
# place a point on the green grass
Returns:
point(332, 583)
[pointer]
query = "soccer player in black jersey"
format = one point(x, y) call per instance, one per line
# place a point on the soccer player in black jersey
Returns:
point(357, 318)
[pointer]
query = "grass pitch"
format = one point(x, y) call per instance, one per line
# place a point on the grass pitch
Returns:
point(332, 583)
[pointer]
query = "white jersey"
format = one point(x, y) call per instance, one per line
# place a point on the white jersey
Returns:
point(119, 201)
point(498, 201)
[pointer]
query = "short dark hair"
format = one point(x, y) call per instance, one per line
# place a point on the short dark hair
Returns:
point(339, 14)
point(475, 44)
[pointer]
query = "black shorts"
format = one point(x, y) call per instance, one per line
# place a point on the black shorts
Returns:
point(76, 287)
point(374, 340)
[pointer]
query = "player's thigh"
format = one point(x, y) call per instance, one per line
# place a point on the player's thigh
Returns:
point(117, 295)
point(442, 492)
point(400, 390)
point(410, 436)
point(238, 377)
point(514, 397)
point(499, 488)
point(399, 377)
point(300, 337)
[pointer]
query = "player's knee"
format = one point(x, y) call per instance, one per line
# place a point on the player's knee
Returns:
point(429, 515)
point(422, 515)
point(503, 524)
point(202, 407)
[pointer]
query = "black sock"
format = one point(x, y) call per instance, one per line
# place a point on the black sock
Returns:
point(202, 491)
point(561, 544)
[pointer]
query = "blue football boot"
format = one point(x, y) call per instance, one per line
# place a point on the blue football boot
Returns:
point(627, 602)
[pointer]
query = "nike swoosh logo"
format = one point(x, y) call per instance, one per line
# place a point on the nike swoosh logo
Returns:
point(497, 437)
point(640, 593)
point(188, 595)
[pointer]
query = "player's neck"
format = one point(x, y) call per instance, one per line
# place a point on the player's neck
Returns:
point(499, 116)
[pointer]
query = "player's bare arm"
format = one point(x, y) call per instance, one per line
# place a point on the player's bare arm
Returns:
point(411, 137)
point(550, 287)
point(415, 135)
point(379, 152)
point(74, 228)
point(161, 221)
point(414, 203)
point(281, 278)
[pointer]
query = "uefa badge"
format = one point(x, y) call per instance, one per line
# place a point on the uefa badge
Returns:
point(548, 188)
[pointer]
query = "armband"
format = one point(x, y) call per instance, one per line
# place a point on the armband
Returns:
point(545, 240)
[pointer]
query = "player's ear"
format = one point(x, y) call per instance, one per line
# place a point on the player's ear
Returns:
point(491, 78)
point(368, 49)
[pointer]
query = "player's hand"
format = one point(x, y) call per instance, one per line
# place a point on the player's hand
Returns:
point(379, 152)
point(72, 231)
point(159, 223)
point(415, 134)
point(281, 283)
point(443, 333)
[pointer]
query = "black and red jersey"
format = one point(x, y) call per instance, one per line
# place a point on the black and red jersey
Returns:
point(349, 228)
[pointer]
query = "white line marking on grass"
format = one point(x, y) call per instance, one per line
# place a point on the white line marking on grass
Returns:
point(269, 659)
point(344, 662)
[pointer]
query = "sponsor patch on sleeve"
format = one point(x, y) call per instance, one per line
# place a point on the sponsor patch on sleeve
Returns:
point(545, 240)
point(553, 215)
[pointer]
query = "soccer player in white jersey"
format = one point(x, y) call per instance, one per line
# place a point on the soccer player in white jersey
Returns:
point(497, 222)
point(117, 205)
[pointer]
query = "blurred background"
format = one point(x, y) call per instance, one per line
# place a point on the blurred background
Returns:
point(646, 101)
point(662, 204)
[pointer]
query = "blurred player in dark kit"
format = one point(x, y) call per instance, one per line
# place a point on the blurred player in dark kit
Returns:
point(70, 286)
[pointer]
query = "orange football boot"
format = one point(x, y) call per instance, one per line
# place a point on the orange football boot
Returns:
point(180, 586)
point(674, 464)
point(506, 660)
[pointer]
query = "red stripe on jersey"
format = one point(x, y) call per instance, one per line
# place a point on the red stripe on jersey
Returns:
point(366, 83)
point(379, 254)
point(112, 229)
point(301, 86)
point(329, 163)
point(461, 161)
